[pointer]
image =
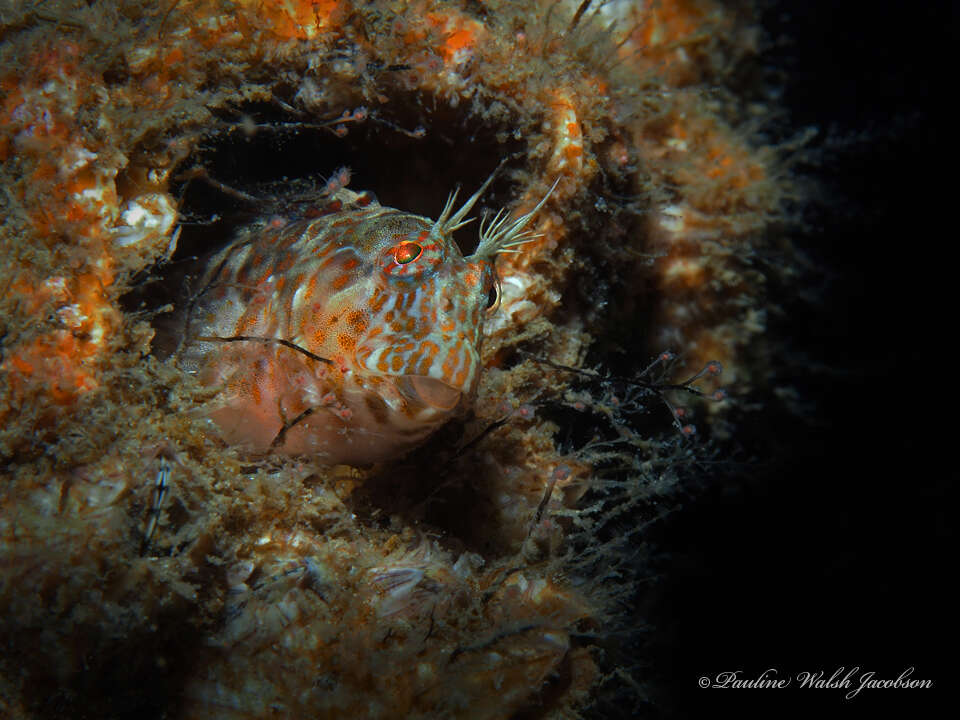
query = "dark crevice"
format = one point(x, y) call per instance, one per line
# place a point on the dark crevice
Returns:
point(261, 160)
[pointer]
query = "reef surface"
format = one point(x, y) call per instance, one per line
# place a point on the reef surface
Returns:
point(147, 567)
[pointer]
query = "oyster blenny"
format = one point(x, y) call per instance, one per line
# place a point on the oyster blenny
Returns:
point(352, 333)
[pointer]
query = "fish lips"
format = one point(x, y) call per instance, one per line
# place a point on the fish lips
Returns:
point(430, 391)
point(425, 381)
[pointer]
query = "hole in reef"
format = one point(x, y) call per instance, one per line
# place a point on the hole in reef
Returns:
point(277, 160)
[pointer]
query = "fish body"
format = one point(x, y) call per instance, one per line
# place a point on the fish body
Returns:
point(351, 333)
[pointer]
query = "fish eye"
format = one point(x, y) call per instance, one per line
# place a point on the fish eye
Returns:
point(407, 252)
point(493, 295)
point(410, 256)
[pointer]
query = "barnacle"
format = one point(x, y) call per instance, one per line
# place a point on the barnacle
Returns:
point(468, 579)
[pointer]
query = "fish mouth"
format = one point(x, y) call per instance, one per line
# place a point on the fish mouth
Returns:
point(432, 392)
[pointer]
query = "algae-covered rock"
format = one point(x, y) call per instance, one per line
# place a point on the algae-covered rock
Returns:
point(148, 568)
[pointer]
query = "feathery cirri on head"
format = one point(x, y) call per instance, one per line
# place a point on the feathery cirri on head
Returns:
point(352, 332)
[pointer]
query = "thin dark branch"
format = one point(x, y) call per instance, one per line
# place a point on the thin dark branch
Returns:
point(266, 341)
point(544, 501)
point(579, 14)
point(287, 426)
point(202, 174)
point(480, 436)
point(645, 384)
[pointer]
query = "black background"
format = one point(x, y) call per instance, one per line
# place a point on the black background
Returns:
point(835, 554)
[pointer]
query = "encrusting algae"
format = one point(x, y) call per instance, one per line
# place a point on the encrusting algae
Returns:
point(180, 368)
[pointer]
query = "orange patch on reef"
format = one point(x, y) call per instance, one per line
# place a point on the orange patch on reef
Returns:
point(672, 36)
point(573, 152)
point(712, 151)
point(733, 164)
point(668, 21)
point(173, 57)
point(61, 363)
point(296, 19)
point(461, 33)
point(457, 40)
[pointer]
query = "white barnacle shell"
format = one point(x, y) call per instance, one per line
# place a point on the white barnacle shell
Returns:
point(144, 220)
point(396, 589)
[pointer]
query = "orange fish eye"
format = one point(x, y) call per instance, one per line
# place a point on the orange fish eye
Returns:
point(407, 252)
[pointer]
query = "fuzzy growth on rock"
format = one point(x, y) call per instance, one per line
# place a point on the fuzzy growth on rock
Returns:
point(150, 569)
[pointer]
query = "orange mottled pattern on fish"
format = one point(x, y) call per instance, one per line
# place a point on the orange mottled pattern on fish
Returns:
point(351, 333)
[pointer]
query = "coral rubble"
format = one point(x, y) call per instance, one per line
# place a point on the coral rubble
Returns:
point(473, 578)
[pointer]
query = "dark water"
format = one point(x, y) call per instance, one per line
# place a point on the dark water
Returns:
point(836, 556)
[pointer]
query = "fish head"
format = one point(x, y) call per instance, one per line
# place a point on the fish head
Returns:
point(426, 311)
